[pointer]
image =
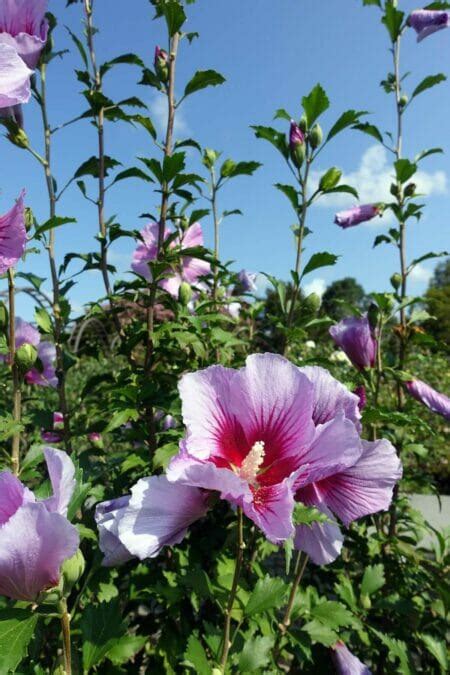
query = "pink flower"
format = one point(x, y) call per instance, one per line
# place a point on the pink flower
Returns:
point(35, 535)
point(13, 236)
point(23, 26)
point(55, 435)
point(45, 377)
point(432, 399)
point(360, 392)
point(14, 81)
point(247, 282)
point(296, 136)
point(347, 663)
point(355, 337)
point(357, 215)
point(95, 437)
point(190, 269)
point(427, 21)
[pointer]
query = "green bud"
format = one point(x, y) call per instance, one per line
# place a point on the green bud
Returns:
point(216, 671)
point(227, 168)
point(396, 280)
point(4, 316)
point(72, 571)
point(395, 190)
point(373, 314)
point(366, 601)
point(25, 357)
point(185, 294)
point(210, 157)
point(17, 135)
point(298, 154)
point(403, 100)
point(316, 136)
point(312, 303)
point(410, 190)
point(303, 124)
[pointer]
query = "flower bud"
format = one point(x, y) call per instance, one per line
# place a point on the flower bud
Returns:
point(312, 303)
point(25, 357)
point(297, 146)
point(185, 293)
point(72, 571)
point(161, 63)
point(316, 136)
point(210, 157)
point(410, 190)
point(303, 124)
point(366, 601)
point(403, 100)
point(396, 280)
point(395, 190)
point(4, 316)
point(17, 135)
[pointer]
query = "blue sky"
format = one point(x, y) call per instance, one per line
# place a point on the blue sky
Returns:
point(271, 53)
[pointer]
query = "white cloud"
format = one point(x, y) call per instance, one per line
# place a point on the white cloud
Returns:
point(372, 180)
point(420, 274)
point(317, 285)
point(158, 114)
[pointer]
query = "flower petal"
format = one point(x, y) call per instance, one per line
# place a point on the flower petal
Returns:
point(62, 477)
point(107, 516)
point(271, 510)
point(26, 334)
point(33, 545)
point(12, 495)
point(22, 16)
point(13, 235)
point(158, 515)
point(330, 397)
point(14, 78)
point(347, 663)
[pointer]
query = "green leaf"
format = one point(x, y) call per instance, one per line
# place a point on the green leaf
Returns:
point(348, 189)
point(332, 614)
point(282, 114)
point(377, 3)
point(291, 193)
point(373, 579)
point(307, 515)
point(132, 172)
point(397, 649)
point(121, 417)
point(315, 104)
point(426, 153)
point(438, 649)
point(195, 656)
point(317, 260)
point(50, 224)
point(16, 630)
point(273, 136)
point(393, 20)
point(101, 628)
point(320, 633)
point(150, 79)
point(125, 648)
point(91, 167)
point(43, 320)
point(144, 122)
point(330, 179)
point(172, 165)
point(255, 654)
point(370, 130)
point(268, 594)
point(239, 169)
point(404, 170)
point(347, 119)
point(203, 79)
point(79, 46)
point(427, 83)
point(174, 15)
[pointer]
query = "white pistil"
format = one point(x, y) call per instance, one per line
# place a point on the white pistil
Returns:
point(252, 463)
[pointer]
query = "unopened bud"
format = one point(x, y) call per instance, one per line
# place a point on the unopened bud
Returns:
point(316, 136)
point(161, 63)
point(210, 157)
point(17, 136)
point(395, 190)
point(410, 190)
point(403, 100)
point(303, 124)
point(185, 293)
point(297, 146)
point(396, 280)
point(366, 601)
point(72, 571)
point(4, 316)
point(25, 357)
point(312, 303)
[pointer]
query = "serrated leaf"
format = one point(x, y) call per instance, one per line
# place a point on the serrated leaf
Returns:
point(370, 130)
point(273, 136)
point(121, 417)
point(315, 103)
point(91, 167)
point(203, 79)
point(427, 83)
point(16, 630)
point(50, 224)
point(427, 153)
point(255, 654)
point(195, 656)
point(332, 614)
point(125, 648)
point(101, 628)
point(347, 119)
point(320, 633)
point(43, 320)
point(393, 20)
point(291, 193)
point(438, 649)
point(404, 170)
point(373, 579)
point(323, 259)
point(268, 594)
point(174, 15)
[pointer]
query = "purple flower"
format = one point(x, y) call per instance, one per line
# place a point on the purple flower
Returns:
point(347, 663)
point(190, 269)
point(161, 57)
point(296, 136)
point(13, 235)
point(355, 337)
point(55, 435)
point(427, 21)
point(435, 401)
point(35, 536)
point(169, 422)
point(156, 514)
point(95, 437)
point(360, 392)
point(14, 81)
point(45, 377)
point(363, 488)
point(25, 333)
point(23, 26)
point(247, 281)
point(357, 215)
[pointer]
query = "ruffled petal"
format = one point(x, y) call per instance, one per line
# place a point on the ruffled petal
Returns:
point(331, 397)
point(33, 545)
point(13, 235)
point(158, 515)
point(12, 495)
point(271, 510)
point(22, 16)
point(62, 477)
point(107, 517)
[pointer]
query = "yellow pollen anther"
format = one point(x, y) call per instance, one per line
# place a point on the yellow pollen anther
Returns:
point(252, 463)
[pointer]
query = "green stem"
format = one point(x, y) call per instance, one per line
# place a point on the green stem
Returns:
point(17, 392)
point(300, 567)
point(226, 643)
point(65, 629)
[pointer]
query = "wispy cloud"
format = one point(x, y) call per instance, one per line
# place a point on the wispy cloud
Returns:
point(158, 112)
point(420, 274)
point(373, 178)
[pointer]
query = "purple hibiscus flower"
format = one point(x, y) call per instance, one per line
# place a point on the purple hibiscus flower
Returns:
point(190, 269)
point(355, 337)
point(45, 376)
point(24, 27)
point(259, 436)
point(14, 81)
point(428, 21)
point(13, 235)
point(347, 663)
point(357, 215)
point(247, 281)
point(35, 535)
point(434, 400)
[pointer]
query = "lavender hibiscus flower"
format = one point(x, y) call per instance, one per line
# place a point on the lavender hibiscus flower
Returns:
point(46, 375)
point(13, 235)
point(259, 437)
point(357, 215)
point(190, 269)
point(434, 400)
point(35, 536)
point(23, 26)
point(355, 337)
point(428, 21)
point(14, 81)
point(347, 663)
point(246, 281)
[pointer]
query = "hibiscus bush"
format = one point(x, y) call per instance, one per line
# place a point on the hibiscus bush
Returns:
point(197, 478)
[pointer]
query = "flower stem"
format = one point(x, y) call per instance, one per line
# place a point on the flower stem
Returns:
point(65, 629)
point(226, 644)
point(17, 393)
point(300, 566)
